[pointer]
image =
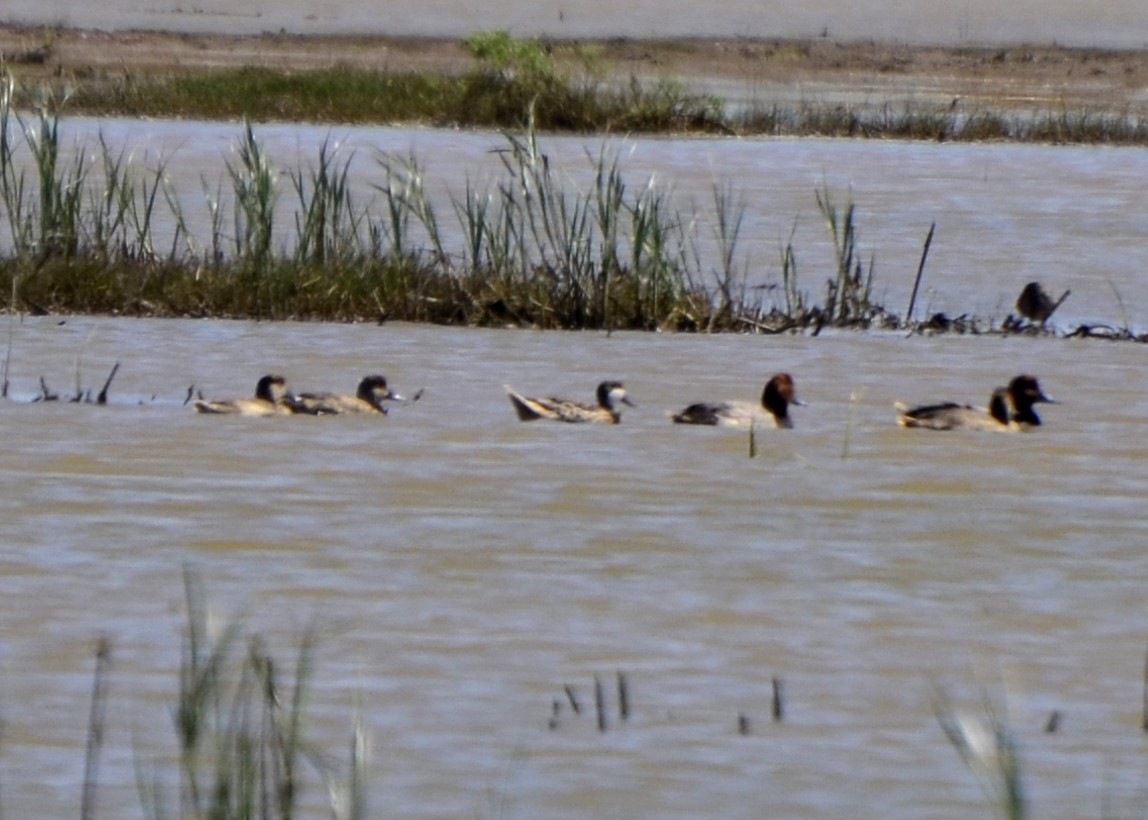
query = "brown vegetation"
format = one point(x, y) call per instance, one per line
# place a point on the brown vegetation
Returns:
point(1014, 78)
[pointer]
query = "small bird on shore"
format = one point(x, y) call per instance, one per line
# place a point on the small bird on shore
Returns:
point(1036, 305)
point(1010, 409)
point(368, 398)
point(611, 395)
point(271, 399)
point(779, 393)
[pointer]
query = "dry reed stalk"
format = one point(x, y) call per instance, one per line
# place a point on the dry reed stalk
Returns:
point(95, 742)
point(920, 273)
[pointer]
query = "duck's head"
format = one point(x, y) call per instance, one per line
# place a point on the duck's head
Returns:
point(1025, 392)
point(779, 393)
point(272, 388)
point(374, 391)
point(1026, 389)
point(611, 394)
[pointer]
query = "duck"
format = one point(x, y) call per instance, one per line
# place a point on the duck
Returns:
point(611, 394)
point(1009, 409)
point(779, 393)
point(368, 398)
point(271, 399)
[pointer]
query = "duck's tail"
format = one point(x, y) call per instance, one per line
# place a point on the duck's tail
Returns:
point(524, 406)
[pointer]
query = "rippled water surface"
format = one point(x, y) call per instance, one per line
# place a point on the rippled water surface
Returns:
point(464, 567)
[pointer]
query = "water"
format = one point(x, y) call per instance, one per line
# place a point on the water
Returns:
point(1120, 23)
point(463, 568)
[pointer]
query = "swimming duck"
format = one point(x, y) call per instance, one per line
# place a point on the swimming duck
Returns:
point(369, 398)
point(271, 399)
point(1022, 393)
point(778, 394)
point(610, 396)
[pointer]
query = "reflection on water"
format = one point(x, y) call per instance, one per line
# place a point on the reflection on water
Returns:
point(465, 567)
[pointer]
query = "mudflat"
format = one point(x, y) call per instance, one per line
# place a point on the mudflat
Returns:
point(1015, 77)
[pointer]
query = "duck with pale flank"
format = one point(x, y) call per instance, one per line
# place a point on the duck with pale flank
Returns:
point(368, 398)
point(271, 399)
point(611, 395)
point(1010, 409)
point(779, 393)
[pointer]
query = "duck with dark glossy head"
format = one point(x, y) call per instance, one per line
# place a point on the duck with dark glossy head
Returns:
point(611, 395)
point(1024, 392)
point(271, 399)
point(779, 393)
point(368, 398)
point(1010, 409)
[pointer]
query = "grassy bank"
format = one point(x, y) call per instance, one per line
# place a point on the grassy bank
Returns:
point(566, 90)
point(89, 229)
point(569, 87)
point(525, 250)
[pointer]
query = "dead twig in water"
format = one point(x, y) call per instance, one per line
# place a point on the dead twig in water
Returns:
point(573, 698)
point(600, 704)
point(920, 273)
point(45, 393)
point(1144, 716)
point(102, 398)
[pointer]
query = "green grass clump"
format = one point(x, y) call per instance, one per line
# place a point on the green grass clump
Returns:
point(510, 77)
point(565, 87)
point(298, 245)
point(239, 725)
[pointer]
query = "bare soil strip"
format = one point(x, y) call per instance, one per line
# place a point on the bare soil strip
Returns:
point(1008, 78)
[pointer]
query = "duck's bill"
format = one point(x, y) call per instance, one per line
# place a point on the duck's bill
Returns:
point(393, 396)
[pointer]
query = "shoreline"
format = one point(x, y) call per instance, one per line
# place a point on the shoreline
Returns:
point(822, 70)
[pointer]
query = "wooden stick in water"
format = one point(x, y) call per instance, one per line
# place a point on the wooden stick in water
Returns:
point(920, 273)
point(102, 398)
point(600, 704)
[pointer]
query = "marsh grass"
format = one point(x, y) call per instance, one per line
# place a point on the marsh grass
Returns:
point(567, 85)
point(986, 744)
point(240, 727)
point(530, 247)
point(848, 294)
point(508, 77)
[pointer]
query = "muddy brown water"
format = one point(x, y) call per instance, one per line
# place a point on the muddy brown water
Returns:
point(464, 567)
